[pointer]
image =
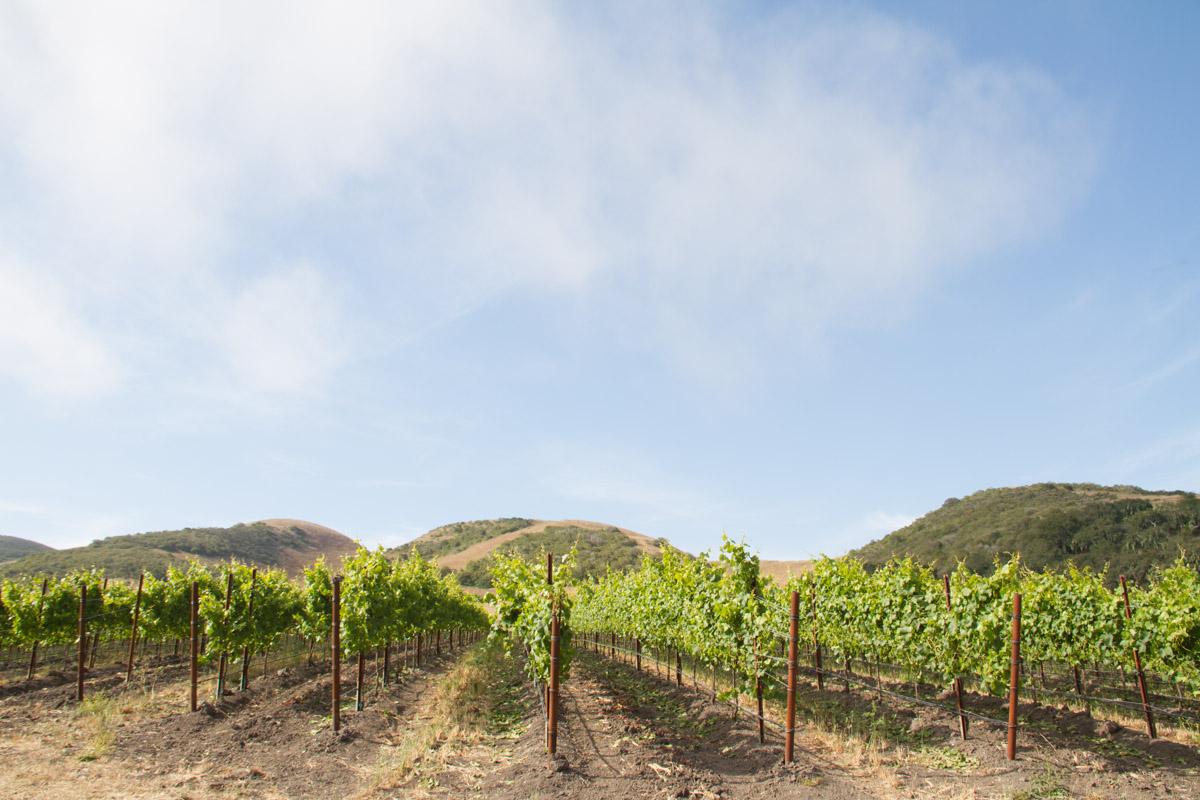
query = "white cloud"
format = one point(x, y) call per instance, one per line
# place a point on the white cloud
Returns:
point(46, 344)
point(623, 481)
point(61, 527)
point(1171, 460)
point(283, 333)
point(10, 507)
point(715, 186)
point(866, 528)
point(1168, 370)
point(881, 523)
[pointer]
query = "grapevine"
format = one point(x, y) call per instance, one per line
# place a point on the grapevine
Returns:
point(525, 609)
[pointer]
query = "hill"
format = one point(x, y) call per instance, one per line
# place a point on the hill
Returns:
point(287, 543)
point(14, 547)
point(1130, 530)
point(469, 548)
point(782, 571)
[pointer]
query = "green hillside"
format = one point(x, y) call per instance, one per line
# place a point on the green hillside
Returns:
point(596, 552)
point(470, 548)
point(260, 543)
point(1128, 529)
point(458, 536)
point(14, 547)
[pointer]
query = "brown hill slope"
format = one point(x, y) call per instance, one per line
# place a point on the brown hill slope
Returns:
point(468, 548)
point(780, 571)
point(321, 541)
point(456, 561)
point(287, 543)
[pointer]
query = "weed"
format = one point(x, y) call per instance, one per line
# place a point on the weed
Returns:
point(480, 699)
point(946, 758)
point(98, 714)
point(1117, 749)
point(1047, 785)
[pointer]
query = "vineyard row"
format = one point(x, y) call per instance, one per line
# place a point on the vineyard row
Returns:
point(375, 604)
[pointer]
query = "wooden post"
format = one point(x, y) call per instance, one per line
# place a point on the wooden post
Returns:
point(250, 621)
point(793, 640)
point(83, 639)
point(362, 668)
point(195, 671)
point(546, 688)
point(33, 655)
point(1137, 662)
point(552, 689)
point(1014, 678)
point(552, 706)
point(337, 653)
point(758, 690)
point(96, 635)
point(958, 693)
point(637, 649)
point(224, 662)
point(133, 633)
point(387, 662)
point(817, 643)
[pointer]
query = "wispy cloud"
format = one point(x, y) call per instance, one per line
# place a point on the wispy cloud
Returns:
point(867, 528)
point(46, 342)
point(284, 332)
point(10, 507)
point(1169, 369)
point(433, 154)
point(628, 483)
point(1175, 457)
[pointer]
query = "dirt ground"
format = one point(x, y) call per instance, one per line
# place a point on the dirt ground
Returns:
point(469, 725)
point(629, 734)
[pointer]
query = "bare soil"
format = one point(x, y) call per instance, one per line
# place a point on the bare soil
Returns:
point(623, 733)
point(634, 734)
point(274, 740)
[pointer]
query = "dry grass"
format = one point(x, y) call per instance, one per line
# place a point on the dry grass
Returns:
point(459, 560)
point(97, 717)
point(469, 706)
point(781, 571)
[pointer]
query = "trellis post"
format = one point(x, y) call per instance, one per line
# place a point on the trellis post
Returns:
point(793, 640)
point(1137, 662)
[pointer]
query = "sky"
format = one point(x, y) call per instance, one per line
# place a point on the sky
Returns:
point(789, 272)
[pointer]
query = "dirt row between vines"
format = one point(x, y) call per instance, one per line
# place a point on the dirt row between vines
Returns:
point(634, 734)
point(469, 725)
point(273, 740)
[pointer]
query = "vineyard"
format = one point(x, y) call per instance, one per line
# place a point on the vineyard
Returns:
point(1138, 649)
point(227, 617)
point(999, 663)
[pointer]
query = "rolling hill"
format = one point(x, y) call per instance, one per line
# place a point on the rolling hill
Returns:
point(468, 548)
point(287, 543)
point(12, 547)
point(1130, 530)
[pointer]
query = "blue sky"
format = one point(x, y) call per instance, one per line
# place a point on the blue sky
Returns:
point(793, 272)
